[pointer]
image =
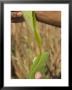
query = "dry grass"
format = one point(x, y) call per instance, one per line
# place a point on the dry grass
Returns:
point(24, 49)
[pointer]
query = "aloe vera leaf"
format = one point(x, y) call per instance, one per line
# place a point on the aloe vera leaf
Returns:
point(30, 19)
point(38, 65)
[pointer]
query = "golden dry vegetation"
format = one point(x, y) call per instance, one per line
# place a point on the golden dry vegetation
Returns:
point(24, 48)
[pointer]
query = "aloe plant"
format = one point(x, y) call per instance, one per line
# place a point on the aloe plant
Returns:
point(41, 60)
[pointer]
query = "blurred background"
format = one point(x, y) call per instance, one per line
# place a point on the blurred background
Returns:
point(24, 47)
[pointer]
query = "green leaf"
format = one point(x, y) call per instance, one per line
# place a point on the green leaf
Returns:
point(38, 65)
point(30, 19)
